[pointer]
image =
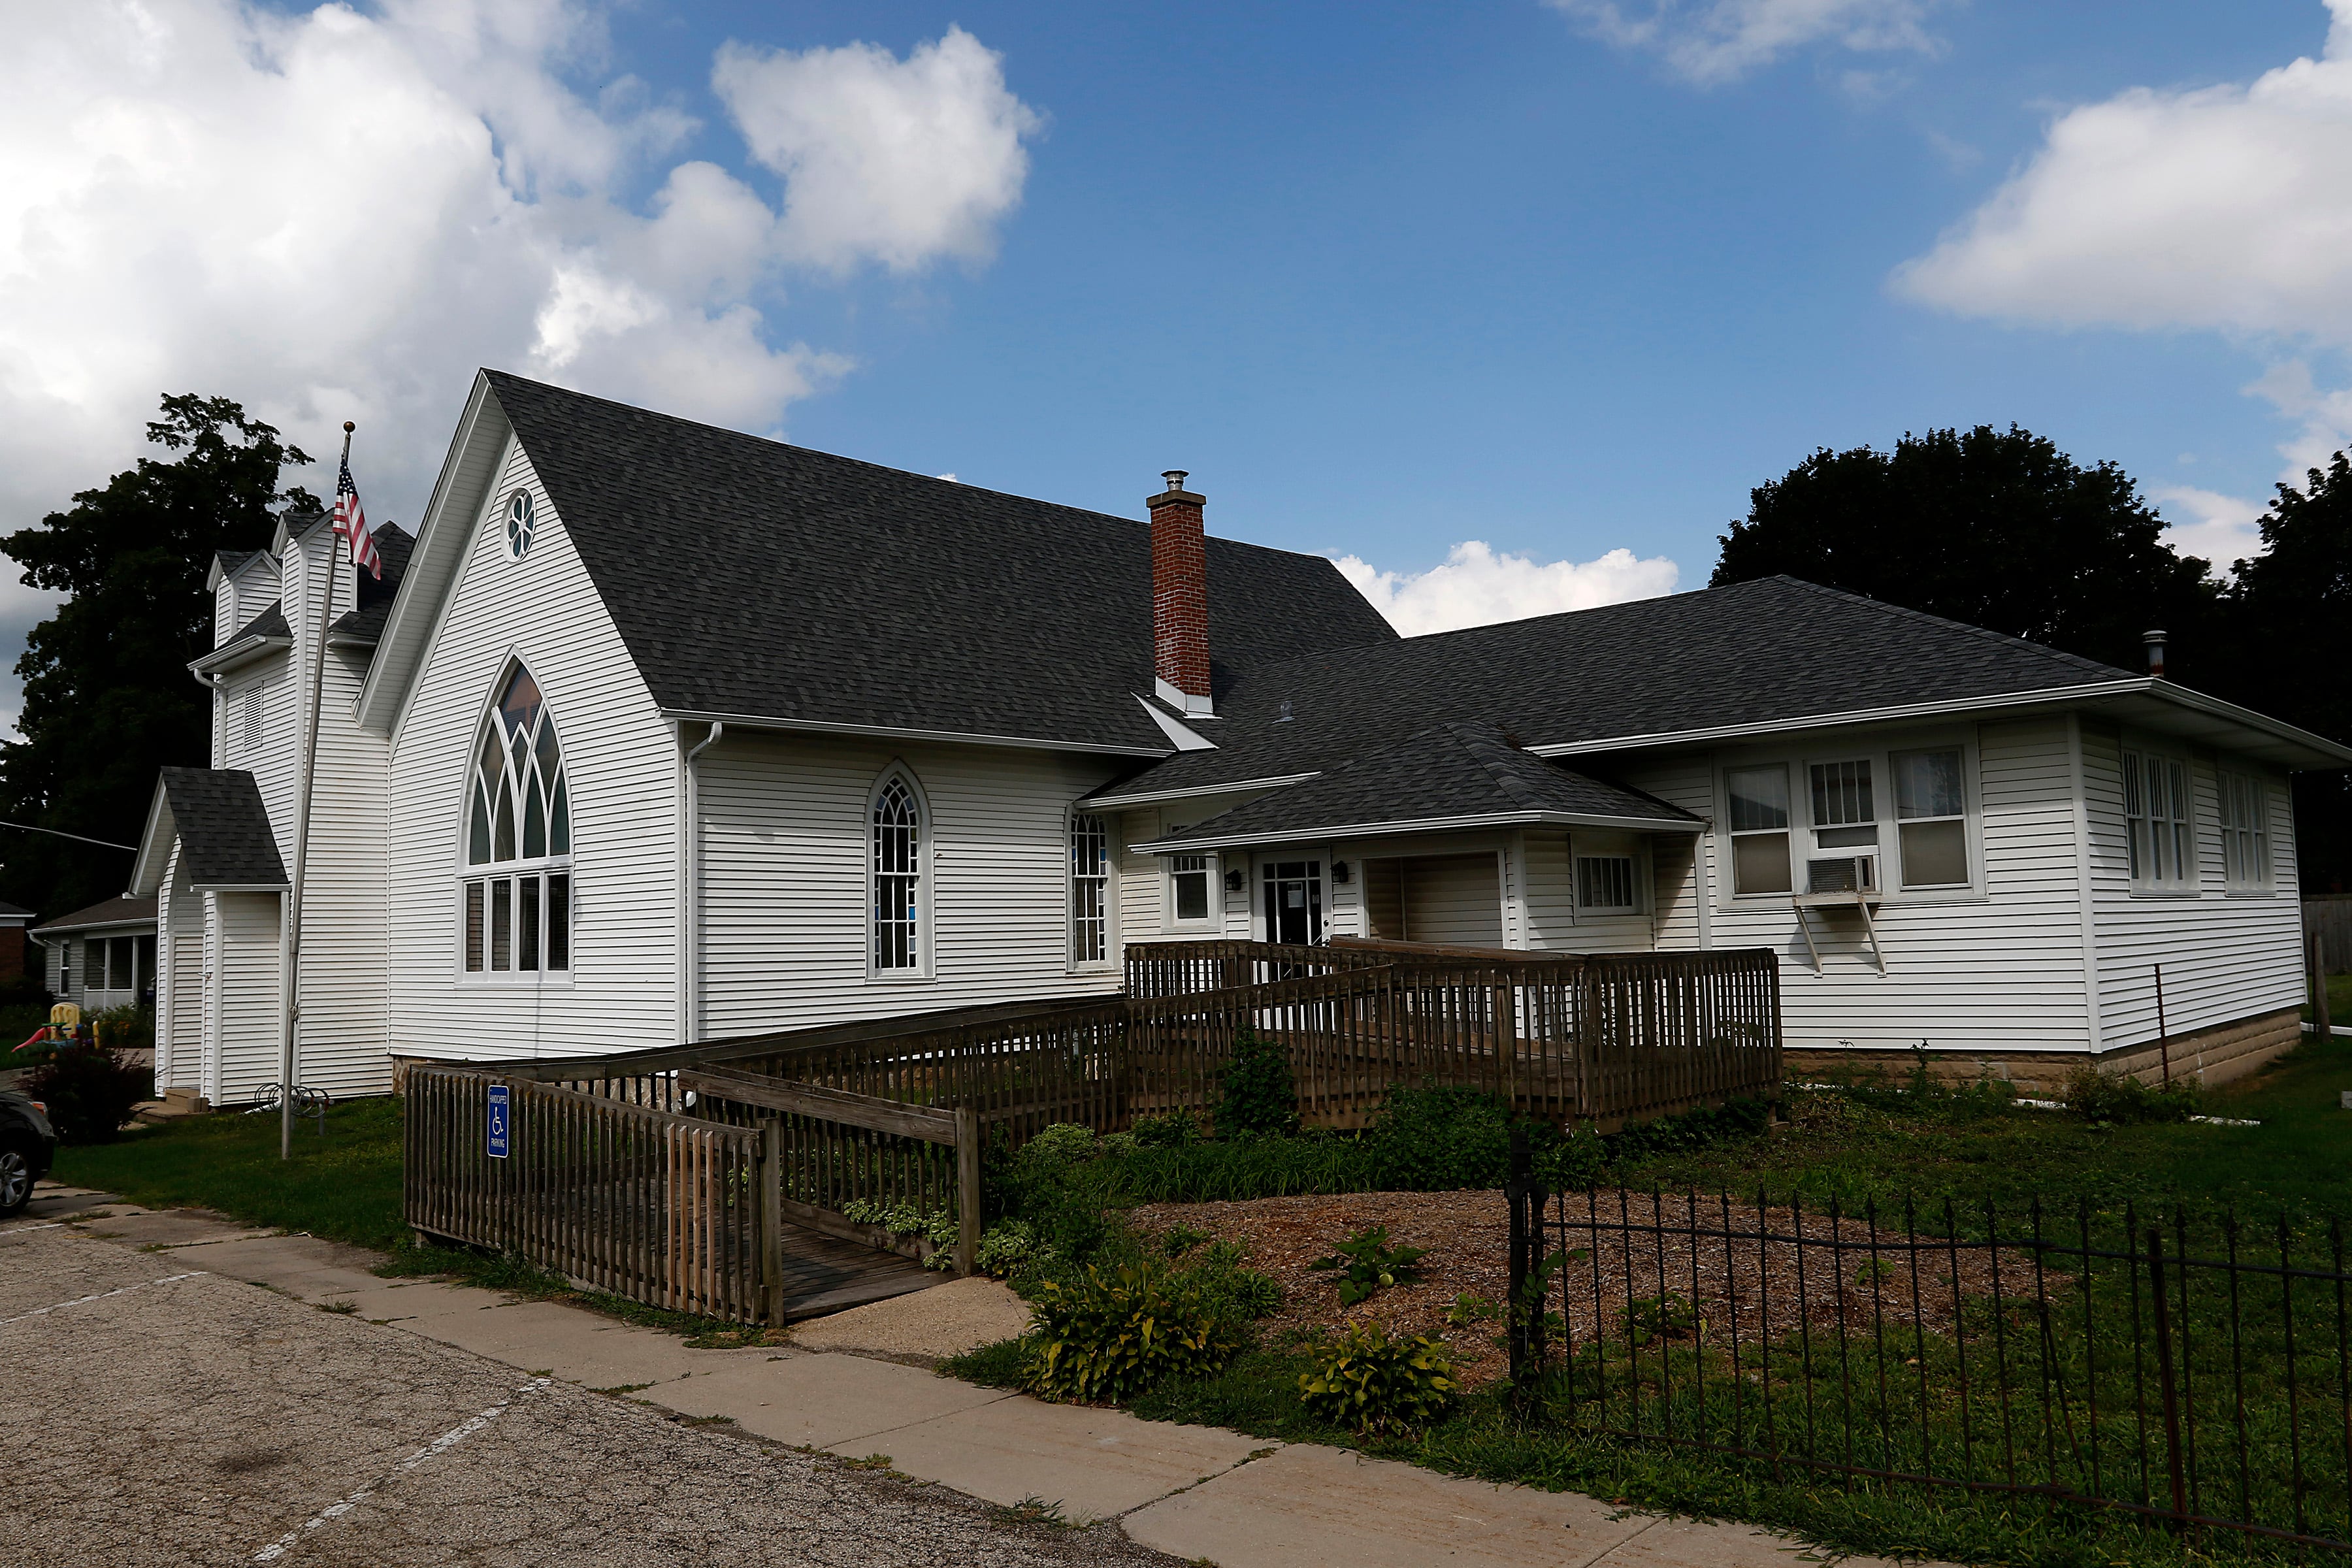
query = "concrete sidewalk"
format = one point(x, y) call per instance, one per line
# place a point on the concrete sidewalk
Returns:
point(1198, 1493)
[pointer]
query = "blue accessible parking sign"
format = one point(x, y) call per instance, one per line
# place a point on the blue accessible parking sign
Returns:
point(497, 1125)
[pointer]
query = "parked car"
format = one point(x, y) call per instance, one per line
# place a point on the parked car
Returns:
point(28, 1145)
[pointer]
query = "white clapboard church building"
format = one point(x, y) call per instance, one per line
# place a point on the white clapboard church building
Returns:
point(658, 732)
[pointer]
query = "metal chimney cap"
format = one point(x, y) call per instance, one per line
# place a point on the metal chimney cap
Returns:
point(2152, 638)
point(1175, 478)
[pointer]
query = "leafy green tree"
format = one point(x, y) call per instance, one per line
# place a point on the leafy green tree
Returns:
point(2290, 606)
point(1998, 529)
point(108, 697)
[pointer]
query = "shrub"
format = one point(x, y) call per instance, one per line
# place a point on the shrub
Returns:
point(1371, 1264)
point(1010, 1248)
point(1063, 1144)
point(2109, 1100)
point(1437, 1140)
point(1239, 1293)
point(89, 1092)
point(1259, 1096)
point(1179, 1239)
point(1364, 1380)
point(1174, 1130)
point(1107, 1337)
point(124, 1028)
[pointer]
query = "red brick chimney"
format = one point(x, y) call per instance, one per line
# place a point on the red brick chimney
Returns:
point(1180, 597)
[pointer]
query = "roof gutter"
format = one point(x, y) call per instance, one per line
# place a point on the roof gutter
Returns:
point(227, 656)
point(2132, 686)
point(899, 732)
point(1152, 797)
point(1192, 841)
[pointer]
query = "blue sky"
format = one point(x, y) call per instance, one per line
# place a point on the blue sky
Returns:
point(1562, 276)
point(1386, 277)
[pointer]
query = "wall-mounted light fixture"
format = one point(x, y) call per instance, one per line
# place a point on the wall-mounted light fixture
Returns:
point(1236, 880)
point(1339, 873)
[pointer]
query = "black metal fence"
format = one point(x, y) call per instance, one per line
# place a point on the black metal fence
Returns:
point(2189, 1368)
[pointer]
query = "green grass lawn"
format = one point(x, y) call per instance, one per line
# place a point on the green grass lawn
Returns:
point(344, 1186)
point(1864, 1149)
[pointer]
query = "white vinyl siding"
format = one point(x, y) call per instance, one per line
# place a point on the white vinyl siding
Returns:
point(249, 1005)
point(621, 765)
point(2224, 959)
point(783, 854)
point(2020, 921)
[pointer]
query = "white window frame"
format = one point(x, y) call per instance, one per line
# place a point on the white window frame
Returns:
point(552, 874)
point(1803, 830)
point(2247, 866)
point(1787, 832)
point(2161, 856)
point(1901, 877)
point(1212, 871)
point(926, 959)
point(1106, 886)
point(1609, 846)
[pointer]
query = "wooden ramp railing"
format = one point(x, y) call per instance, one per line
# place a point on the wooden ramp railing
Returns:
point(675, 1175)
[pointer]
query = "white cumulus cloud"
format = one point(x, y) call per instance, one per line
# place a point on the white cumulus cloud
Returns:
point(2222, 528)
point(900, 160)
point(339, 213)
point(1474, 585)
point(2226, 208)
point(1713, 41)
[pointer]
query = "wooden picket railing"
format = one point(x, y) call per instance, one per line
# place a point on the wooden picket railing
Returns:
point(668, 1175)
point(661, 1209)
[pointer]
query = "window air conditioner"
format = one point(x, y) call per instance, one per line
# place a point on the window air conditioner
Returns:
point(1846, 874)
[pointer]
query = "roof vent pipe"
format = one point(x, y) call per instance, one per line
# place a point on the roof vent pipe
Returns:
point(2155, 641)
point(1179, 599)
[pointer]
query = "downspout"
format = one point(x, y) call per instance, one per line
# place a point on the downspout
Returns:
point(690, 884)
point(2085, 889)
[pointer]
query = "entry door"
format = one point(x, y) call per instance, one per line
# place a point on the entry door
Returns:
point(1294, 901)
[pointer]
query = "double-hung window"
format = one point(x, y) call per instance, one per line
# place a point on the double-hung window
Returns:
point(1760, 828)
point(1191, 881)
point(2245, 832)
point(2163, 848)
point(516, 890)
point(1845, 829)
point(1089, 889)
point(1931, 817)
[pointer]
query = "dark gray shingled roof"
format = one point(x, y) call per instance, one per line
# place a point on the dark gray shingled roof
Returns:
point(752, 578)
point(1446, 773)
point(365, 624)
point(106, 912)
point(1773, 650)
point(270, 623)
point(229, 560)
point(224, 835)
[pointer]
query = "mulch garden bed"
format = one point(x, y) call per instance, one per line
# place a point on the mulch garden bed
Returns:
point(1743, 1290)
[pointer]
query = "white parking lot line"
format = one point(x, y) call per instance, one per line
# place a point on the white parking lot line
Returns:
point(102, 1295)
point(447, 1440)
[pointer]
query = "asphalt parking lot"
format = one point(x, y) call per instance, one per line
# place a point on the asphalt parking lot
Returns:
point(169, 1416)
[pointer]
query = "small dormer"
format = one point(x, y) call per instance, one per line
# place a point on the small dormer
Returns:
point(243, 583)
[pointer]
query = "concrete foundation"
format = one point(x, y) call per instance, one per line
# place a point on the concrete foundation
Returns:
point(2215, 1055)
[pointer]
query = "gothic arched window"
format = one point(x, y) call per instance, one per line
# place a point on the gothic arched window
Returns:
point(896, 820)
point(518, 877)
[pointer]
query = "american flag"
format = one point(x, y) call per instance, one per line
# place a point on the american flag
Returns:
point(351, 524)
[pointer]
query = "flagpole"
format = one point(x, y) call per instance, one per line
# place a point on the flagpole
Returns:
point(293, 977)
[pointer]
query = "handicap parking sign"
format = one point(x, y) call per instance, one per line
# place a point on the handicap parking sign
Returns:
point(498, 1127)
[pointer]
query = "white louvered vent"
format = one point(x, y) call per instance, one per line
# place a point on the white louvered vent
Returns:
point(249, 724)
